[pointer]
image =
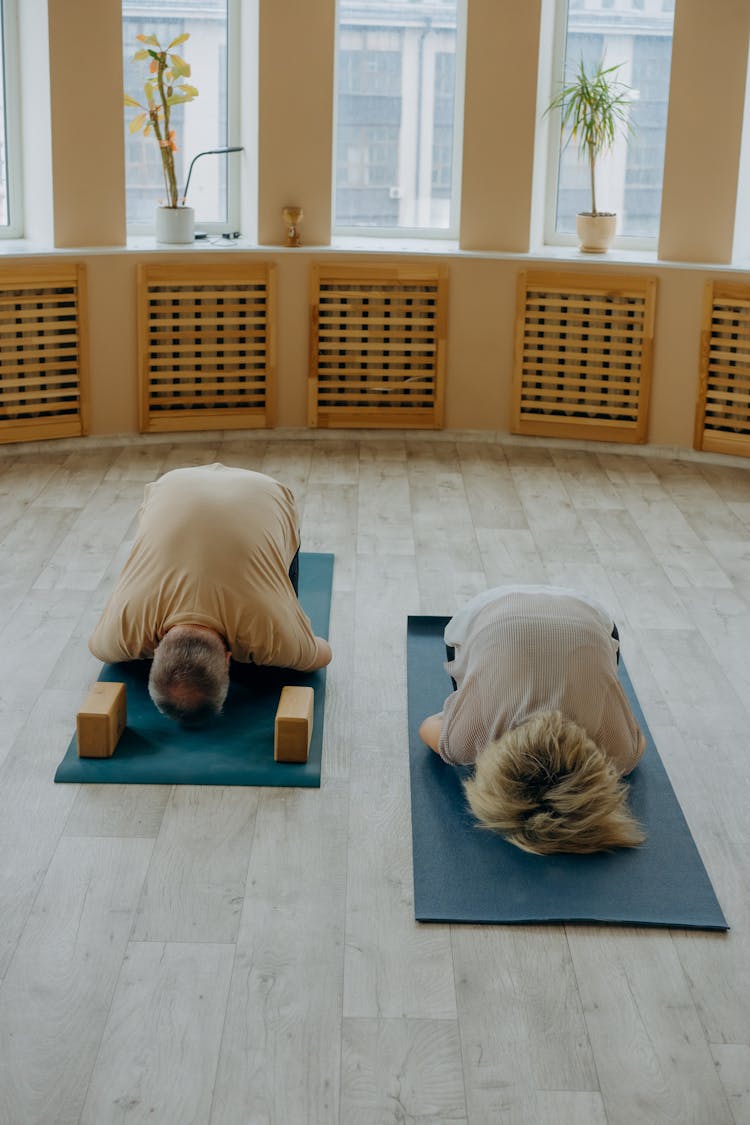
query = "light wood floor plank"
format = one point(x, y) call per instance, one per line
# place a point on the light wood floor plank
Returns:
point(733, 1066)
point(33, 813)
point(56, 995)
point(330, 524)
point(339, 700)
point(384, 523)
point(195, 885)
point(717, 966)
point(118, 810)
point(289, 462)
point(521, 1018)
point(394, 966)
point(652, 1059)
point(379, 666)
point(280, 1051)
point(395, 1071)
point(157, 1060)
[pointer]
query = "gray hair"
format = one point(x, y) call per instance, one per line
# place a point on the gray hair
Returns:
point(189, 677)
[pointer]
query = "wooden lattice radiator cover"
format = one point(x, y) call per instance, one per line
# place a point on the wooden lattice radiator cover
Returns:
point(206, 345)
point(722, 421)
point(43, 352)
point(583, 355)
point(377, 347)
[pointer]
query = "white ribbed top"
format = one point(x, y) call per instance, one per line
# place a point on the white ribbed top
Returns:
point(529, 650)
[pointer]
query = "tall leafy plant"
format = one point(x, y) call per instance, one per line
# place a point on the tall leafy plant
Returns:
point(594, 107)
point(165, 87)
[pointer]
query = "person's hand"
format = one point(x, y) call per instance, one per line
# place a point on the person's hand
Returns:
point(429, 730)
point(323, 654)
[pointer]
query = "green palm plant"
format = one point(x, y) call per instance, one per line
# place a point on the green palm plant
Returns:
point(593, 107)
point(164, 88)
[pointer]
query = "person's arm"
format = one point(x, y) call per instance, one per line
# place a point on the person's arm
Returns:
point(107, 643)
point(429, 730)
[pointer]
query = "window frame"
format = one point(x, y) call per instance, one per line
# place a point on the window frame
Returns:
point(452, 231)
point(13, 153)
point(234, 128)
point(551, 236)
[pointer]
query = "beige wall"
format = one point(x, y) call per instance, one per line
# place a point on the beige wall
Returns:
point(704, 130)
point(294, 166)
point(295, 114)
point(88, 161)
point(502, 45)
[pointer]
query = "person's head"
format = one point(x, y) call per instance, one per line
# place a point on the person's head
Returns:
point(547, 787)
point(189, 677)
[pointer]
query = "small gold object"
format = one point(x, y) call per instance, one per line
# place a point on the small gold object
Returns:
point(292, 216)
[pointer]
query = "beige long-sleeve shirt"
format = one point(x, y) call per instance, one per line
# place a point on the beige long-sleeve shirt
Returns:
point(213, 547)
point(520, 652)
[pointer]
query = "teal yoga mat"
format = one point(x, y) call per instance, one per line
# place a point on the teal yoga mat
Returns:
point(463, 873)
point(235, 749)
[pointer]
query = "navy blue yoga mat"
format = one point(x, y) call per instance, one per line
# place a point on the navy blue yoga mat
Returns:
point(237, 747)
point(463, 873)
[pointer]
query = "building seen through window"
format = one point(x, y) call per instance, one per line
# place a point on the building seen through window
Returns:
point(199, 125)
point(637, 36)
point(396, 109)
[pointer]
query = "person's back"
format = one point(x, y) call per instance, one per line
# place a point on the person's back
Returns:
point(540, 711)
point(209, 574)
point(533, 651)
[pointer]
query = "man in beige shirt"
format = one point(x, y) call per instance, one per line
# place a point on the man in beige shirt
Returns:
point(207, 581)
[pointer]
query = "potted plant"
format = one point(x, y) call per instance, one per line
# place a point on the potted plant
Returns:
point(165, 87)
point(594, 108)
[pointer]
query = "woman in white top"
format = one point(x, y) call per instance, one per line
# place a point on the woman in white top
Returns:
point(540, 711)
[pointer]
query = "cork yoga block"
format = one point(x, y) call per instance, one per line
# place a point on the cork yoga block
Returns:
point(101, 720)
point(294, 724)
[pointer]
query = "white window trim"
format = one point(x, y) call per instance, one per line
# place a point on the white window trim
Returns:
point(741, 246)
point(234, 128)
point(451, 232)
point(552, 237)
point(14, 229)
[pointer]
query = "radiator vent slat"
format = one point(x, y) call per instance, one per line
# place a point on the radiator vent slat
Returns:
point(722, 419)
point(377, 347)
point(42, 352)
point(582, 365)
point(207, 346)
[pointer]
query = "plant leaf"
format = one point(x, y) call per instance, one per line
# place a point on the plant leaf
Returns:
point(137, 122)
point(179, 66)
point(139, 55)
point(178, 40)
point(131, 101)
point(150, 39)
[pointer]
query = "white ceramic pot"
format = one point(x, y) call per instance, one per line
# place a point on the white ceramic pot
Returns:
point(175, 224)
point(596, 233)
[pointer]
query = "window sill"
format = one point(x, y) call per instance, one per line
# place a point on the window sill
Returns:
point(439, 248)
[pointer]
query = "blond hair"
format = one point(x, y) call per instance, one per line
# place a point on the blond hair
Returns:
point(189, 678)
point(547, 787)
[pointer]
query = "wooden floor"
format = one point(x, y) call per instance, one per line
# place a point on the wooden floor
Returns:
point(239, 956)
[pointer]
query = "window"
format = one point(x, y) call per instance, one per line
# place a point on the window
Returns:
point(638, 35)
point(206, 123)
point(10, 195)
point(399, 97)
